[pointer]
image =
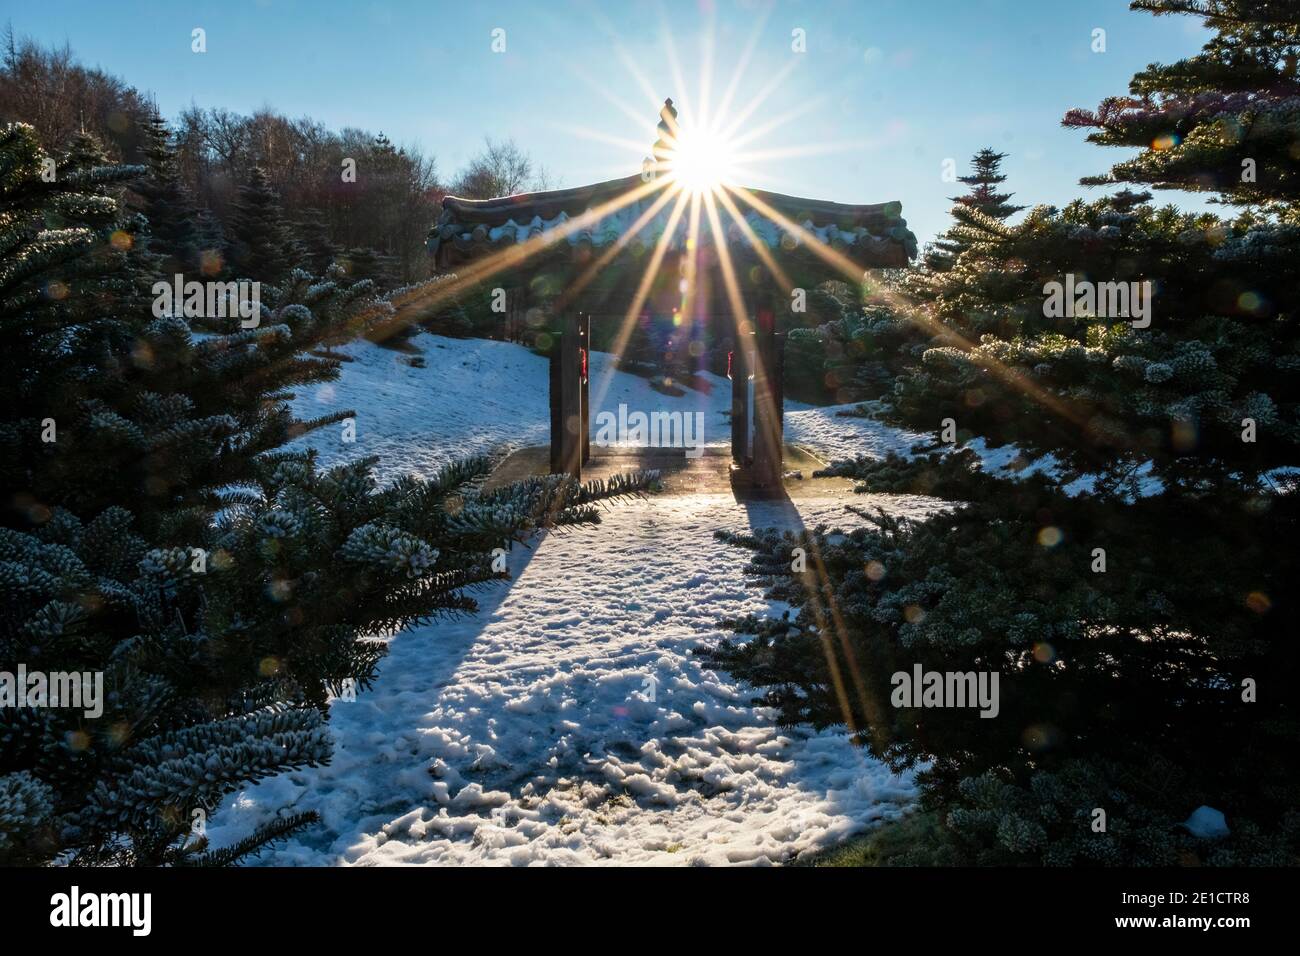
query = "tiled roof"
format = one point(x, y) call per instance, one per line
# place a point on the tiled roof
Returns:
point(870, 236)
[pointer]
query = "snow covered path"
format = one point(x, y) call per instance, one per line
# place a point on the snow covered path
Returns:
point(524, 733)
point(567, 721)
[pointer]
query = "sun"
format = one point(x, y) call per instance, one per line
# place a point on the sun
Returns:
point(700, 161)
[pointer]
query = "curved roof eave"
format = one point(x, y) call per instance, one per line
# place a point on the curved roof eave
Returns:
point(472, 227)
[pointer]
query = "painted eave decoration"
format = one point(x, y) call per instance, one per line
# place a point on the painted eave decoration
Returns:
point(870, 235)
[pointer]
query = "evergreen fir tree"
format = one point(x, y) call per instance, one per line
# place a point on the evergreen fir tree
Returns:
point(1135, 626)
point(259, 240)
point(317, 251)
point(1220, 122)
point(364, 264)
point(158, 536)
point(983, 198)
point(165, 201)
point(984, 179)
point(85, 596)
point(84, 153)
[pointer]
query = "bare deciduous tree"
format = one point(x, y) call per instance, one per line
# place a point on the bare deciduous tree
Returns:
point(500, 169)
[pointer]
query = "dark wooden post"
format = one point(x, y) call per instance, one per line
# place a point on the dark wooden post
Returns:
point(566, 400)
point(584, 335)
point(766, 468)
point(554, 350)
point(740, 366)
point(778, 394)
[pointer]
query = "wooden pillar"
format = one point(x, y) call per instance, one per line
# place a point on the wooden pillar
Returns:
point(740, 366)
point(553, 353)
point(766, 469)
point(778, 392)
point(584, 336)
point(566, 399)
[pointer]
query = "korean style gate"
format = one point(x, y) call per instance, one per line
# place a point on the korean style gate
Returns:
point(618, 250)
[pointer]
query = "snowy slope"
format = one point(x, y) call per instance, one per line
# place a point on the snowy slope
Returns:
point(834, 437)
point(525, 733)
point(475, 395)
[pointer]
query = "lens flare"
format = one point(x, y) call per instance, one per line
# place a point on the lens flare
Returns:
point(701, 161)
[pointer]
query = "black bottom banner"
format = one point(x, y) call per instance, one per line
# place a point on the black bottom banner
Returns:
point(338, 905)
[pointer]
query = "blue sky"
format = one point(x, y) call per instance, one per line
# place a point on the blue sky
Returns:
point(886, 90)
